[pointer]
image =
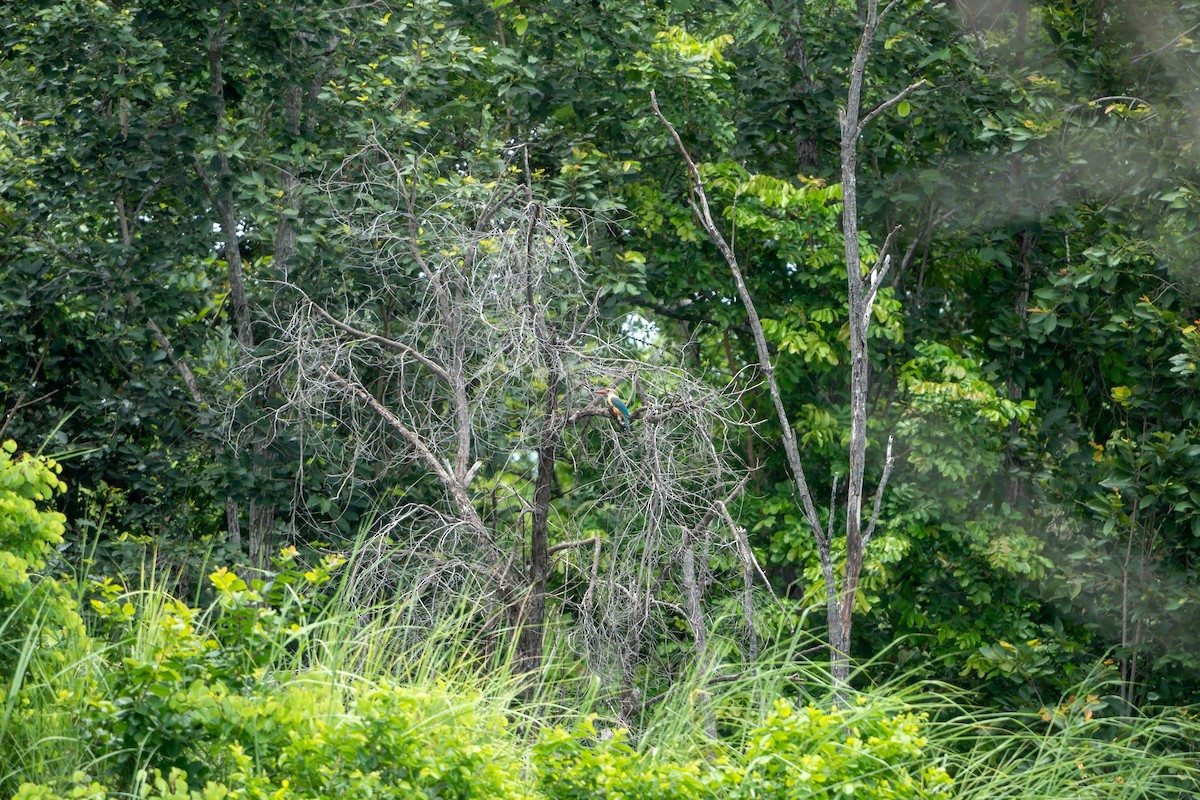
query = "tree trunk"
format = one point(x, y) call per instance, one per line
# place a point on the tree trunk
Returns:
point(259, 519)
point(531, 613)
point(261, 528)
point(694, 613)
point(861, 288)
point(531, 609)
point(1014, 486)
point(800, 82)
point(839, 642)
point(223, 195)
point(841, 614)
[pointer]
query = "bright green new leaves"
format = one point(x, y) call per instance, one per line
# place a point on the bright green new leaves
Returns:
point(941, 381)
point(173, 786)
point(384, 740)
point(35, 614)
point(26, 531)
point(796, 752)
point(174, 668)
point(40, 629)
point(855, 752)
point(582, 764)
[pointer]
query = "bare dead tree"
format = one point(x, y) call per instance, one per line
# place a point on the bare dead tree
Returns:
point(863, 285)
point(460, 368)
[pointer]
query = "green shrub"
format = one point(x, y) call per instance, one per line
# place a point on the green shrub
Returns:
point(864, 751)
point(581, 766)
point(296, 740)
point(388, 741)
point(211, 694)
point(154, 787)
point(262, 695)
point(41, 634)
point(37, 618)
point(154, 707)
point(859, 751)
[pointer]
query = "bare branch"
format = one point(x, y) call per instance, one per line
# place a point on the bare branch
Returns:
point(739, 534)
point(436, 465)
point(720, 505)
point(185, 372)
point(764, 358)
point(886, 104)
point(158, 184)
point(20, 402)
point(464, 276)
point(876, 276)
point(1117, 98)
point(931, 223)
point(886, 9)
point(888, 462)
point(1158, 50)
point(428, 363)
point(568, 545)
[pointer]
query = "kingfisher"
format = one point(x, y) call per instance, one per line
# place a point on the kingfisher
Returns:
point(616, 407)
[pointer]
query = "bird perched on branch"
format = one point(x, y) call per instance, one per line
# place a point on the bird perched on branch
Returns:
point(616, 407)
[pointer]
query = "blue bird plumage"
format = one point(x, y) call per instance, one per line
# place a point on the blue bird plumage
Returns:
point(616, 407)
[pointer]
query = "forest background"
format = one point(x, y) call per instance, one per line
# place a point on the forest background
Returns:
point(341, 281)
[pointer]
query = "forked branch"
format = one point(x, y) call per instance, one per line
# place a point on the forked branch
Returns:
point(434, 367)
point(888, 462)
point(760, 340)
point(886, 104)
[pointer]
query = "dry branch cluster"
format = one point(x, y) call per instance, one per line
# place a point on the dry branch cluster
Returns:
point(456, 369)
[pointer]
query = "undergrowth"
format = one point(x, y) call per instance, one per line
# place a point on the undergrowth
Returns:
point(281, 687)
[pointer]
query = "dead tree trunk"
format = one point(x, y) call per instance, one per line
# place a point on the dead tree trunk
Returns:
point(530, 616)
point(862, 284)
point(501, 341)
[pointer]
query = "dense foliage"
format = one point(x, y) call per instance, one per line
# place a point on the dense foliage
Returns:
point(345, 278)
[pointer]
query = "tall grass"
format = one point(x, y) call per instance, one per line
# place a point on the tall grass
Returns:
point(36, 738)
point(330, 651)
